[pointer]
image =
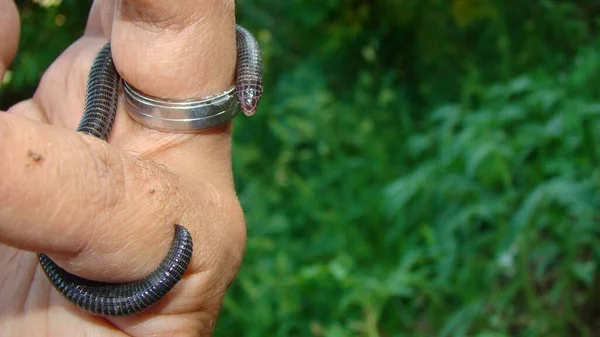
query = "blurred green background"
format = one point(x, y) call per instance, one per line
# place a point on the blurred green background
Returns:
point(416, 168)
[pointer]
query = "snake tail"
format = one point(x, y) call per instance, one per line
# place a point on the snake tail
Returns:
point(123, 299)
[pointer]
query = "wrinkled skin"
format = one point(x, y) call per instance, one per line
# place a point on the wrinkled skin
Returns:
point(106, 211)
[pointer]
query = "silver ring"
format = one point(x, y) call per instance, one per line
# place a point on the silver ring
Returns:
point(180, 116)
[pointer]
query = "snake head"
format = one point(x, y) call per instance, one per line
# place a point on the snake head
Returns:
point(248, 100)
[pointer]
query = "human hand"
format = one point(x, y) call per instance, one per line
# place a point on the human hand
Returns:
point(106, 211)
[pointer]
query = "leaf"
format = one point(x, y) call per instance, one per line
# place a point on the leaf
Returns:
point(519, 85)
point(402, 190)
point(459, 323)
point(573, 195)
point(585, 272)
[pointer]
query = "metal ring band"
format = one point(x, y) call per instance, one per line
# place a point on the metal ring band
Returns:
point(180, 116)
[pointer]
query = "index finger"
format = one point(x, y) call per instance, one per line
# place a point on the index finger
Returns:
point(179, 49)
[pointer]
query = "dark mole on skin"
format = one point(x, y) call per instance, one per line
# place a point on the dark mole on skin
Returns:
point(36, 157)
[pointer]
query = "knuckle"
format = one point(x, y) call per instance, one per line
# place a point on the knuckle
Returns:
point(126, 181)
point(106, 174)
point(159, 16)
point(154, 16)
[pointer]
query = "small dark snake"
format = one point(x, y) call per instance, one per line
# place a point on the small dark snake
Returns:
point(120, 299)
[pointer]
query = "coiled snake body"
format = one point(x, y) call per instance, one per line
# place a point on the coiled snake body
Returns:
point(120, 299)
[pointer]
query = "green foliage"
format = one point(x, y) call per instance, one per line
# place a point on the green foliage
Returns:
point(377, 208)
point(416, 168)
